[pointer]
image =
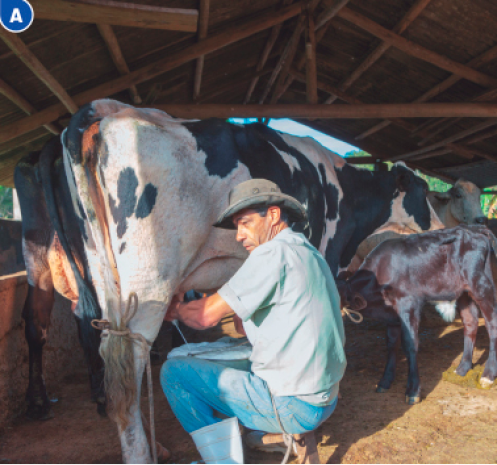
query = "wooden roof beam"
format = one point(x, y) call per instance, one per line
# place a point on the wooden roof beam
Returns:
point(117, 13)
point(17, 99)
point(215, 42)
point(331, 111)
point(203, 25)
point(480, 60)
point(416, 50)
point(27, 57)
point(273, 36)
point(117, 57)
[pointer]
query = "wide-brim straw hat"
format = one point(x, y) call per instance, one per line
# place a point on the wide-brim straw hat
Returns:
point(259, 193)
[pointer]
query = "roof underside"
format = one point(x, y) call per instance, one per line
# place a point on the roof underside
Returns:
point(77, 57)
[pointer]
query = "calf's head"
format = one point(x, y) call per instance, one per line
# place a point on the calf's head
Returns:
point(463, 202)
point(411, 211)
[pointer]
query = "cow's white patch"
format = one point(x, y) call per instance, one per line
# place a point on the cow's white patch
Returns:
point(290, 160)
point(447, 310)
point(317, 154)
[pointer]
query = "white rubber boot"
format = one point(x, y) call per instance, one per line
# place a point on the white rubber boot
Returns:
point(220, 442)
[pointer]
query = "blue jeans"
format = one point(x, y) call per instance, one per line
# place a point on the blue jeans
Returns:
point(196, 388)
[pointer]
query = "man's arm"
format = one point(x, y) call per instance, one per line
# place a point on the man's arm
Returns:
point(199, 314)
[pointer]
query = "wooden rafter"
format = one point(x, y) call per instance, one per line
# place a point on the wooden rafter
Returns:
point(117, 13)
point(42, 73)
point(117, 57)
point(379, 51)
point(203, 25)
point(461, 135)
point(416, 50)
point(333, 91)
point(16, 98)
point(481, 60)
point(174, 60)
point(311, 71)
point(273, 36)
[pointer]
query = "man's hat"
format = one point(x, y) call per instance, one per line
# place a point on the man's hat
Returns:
point(259, 193)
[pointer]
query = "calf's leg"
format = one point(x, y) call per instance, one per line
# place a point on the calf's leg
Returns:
point(393, 338)
point(489, 312)
point(409, 315)
point(36, 314)
point(469, 316)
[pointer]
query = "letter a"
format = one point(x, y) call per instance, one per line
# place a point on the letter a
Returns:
point(16, 16)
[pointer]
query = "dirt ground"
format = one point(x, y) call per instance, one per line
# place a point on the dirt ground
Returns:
point(453, 424)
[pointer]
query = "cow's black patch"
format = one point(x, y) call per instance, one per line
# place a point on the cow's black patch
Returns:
point(127, 184)
point(210, 142)
point(80, 121)
point(147, 201)
point(121, 249)
point(331, 195)
point(413, 201)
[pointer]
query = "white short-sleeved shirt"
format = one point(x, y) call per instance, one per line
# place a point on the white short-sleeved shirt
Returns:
point(288, 301)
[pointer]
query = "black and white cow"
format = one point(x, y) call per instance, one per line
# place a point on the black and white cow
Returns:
point(147, 188)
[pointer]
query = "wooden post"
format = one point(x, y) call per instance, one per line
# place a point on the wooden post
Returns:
point(203, 24)
point(311, 69)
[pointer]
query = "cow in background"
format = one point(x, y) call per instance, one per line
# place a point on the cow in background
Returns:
point(145, 191)
point(401, 275)
point(460, 205)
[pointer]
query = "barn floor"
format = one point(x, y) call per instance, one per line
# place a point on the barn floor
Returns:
point(453, 424)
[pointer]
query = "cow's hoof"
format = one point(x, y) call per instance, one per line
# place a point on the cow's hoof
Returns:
point(486, 383)
point(411, 400)
point(163, 455)
point(462, 370)
point(39, 411)
point(381, 390)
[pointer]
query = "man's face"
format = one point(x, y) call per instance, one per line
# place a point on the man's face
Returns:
point(253, 229)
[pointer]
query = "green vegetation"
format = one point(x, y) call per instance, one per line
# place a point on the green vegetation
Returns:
point(6, 204)
point(488, 202)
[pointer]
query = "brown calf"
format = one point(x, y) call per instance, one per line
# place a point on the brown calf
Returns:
point(401, 275)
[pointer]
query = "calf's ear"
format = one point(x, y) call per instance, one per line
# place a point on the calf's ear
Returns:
point(358, 302)
point(403, 181)
point(442, 197)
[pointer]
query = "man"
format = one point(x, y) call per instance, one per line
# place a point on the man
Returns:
point(286, 302)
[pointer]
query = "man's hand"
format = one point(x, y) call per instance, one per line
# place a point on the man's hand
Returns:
point(198, 314)
point(173, 309)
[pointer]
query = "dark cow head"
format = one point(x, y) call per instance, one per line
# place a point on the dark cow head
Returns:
point(411, 211)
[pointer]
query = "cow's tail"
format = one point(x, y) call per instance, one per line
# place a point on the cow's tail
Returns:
point(88, 308)
point(80, 142)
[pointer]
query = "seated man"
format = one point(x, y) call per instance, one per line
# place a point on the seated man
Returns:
point(286, 302)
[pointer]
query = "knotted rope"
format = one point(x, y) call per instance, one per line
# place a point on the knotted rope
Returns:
point(349, 312)
point(105, 325)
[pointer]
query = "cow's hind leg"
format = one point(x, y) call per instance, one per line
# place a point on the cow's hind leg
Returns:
point(393, 338)
point(36, 313)
point(469, 316)
point(95, 370)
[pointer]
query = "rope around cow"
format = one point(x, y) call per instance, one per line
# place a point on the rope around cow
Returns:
point(105, 325)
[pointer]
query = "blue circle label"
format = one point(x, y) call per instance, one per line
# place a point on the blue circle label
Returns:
point(16, 15)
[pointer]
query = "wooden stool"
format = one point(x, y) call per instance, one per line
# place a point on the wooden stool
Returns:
point(307, 447)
